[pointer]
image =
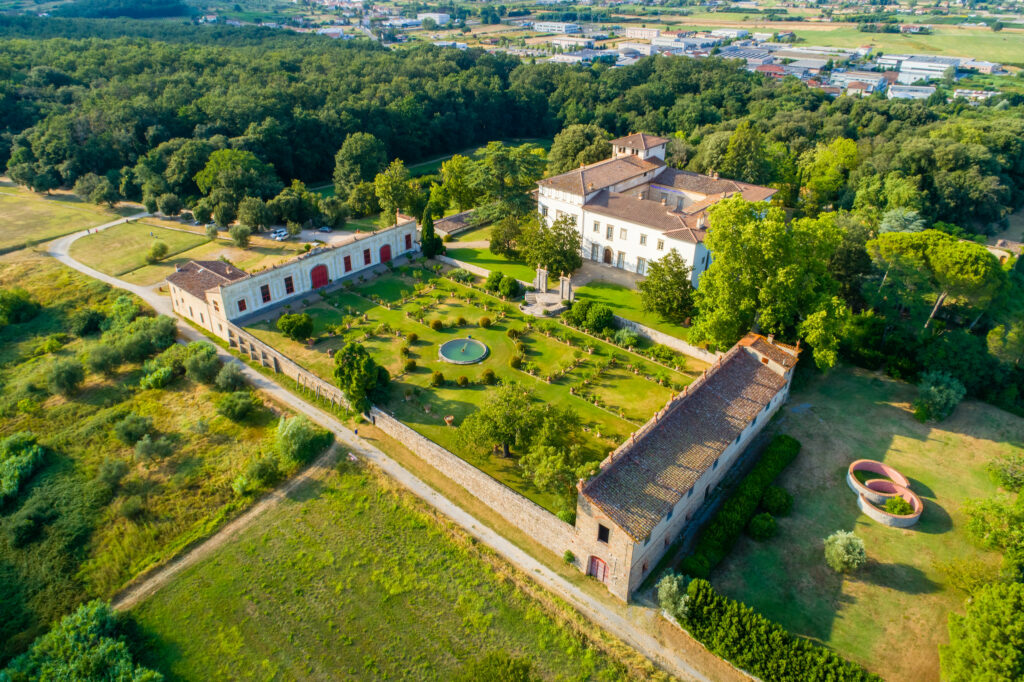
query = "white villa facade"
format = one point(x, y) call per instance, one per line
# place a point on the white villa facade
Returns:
point(632, 209)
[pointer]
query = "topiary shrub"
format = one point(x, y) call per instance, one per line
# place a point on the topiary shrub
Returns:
point(485, 322)
point(599, 318)
point(462, 381)
point(409, 365)
point(776, 501)
point(157, 252)
point(461, 322)
point(844, 552)
point(296, 326)
point(898, 506)
point(488, 377)
point(413, 337)
point(515, 362)
point(436, 325)
point(493, 281)
point(437, 379)
point(762, 526)
point(510, 287)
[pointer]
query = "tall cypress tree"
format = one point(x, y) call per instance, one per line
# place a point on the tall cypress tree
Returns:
point(430, 243)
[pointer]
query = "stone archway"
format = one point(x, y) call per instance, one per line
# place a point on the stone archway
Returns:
point(607, 256)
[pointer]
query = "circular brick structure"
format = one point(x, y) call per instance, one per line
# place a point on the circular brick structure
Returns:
point(877, 491)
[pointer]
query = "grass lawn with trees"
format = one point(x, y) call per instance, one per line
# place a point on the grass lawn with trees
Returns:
point(628, 304)
point(96, 512)
point(123, 248)
point(353, 578)
point(625, 399)
point(900, 600)
point(35, 218)
point(259, 255)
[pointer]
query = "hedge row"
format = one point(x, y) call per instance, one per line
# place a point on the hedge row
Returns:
point(718, 536)
point(745, 638)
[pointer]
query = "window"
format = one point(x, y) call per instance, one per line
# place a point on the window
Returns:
point(201, 319)
point(609, 232)
point(241, 305)
point(621, 260)
point(661, 244)
point(670, 512)
point(408, 242)
point(367, 259)
point(190, 313)
point(216, 305)
point(764, 361)
point(348, 263)
point(597, 226)
point(595, 252)
point(622, 233)
point(265, 293)
point(641, 266)
point(289, 285)
point(544, 210)
point(643, 240)
point(602, 533)
point(647, 540)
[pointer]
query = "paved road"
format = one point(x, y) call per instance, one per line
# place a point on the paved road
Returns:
point(611, 620)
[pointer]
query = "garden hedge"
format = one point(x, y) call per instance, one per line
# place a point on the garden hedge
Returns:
point(718, 536)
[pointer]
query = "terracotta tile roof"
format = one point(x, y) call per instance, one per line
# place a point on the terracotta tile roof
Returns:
point(773, 350)
point(199, 276)
point(707, 185)
point(649, 476)
point(454, 222)
point(653, 214)
point(601, 174)
point(639, 141)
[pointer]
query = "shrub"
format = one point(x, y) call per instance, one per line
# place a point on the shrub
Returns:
point(86, 322)
point(577, 314)
point(513, 333)
point(149, 448)
point(236, 406)
point(488, 377)
point(938, 395)
point(460, 275)
point(169, 204)
point(412, 338)
point(265, 471)
point(111, 472)
point(20, 457)
point(157, 252)
point(211, 231)
point(729, 521)
point(1008, 471)
point(599, 318)
point(103, 359)
point(493, 281)
point(132, 428)
point(569, 557)
point(26, 526)
point(17, 306)
point(158, 378)
point(296, 326)
point(461, 322)
point(298, 440)
point(626, 337)
point(462, 381)
point(485, 322)
point(436, 325)
point(437, 379)
point(844, 552)
point(748, 640)
point(240, 235)
point(898, 506)
point(510, 287)
point(409, 365)
point(133, 508)
point(762, 526)
point(230, 378)
point(776, 501)
point(65, 376)
point(515, 362)
point(404, 351)
point(201, 362)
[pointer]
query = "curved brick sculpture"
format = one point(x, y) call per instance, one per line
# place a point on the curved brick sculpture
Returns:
point(877, 490)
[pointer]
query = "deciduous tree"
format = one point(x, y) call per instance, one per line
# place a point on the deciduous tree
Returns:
point(356, 374)
point(667, 289)
point(557, 247)
point(392, 189)
point(360, 158)
point(577, 145)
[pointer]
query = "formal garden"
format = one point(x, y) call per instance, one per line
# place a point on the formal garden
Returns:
point(614, 381)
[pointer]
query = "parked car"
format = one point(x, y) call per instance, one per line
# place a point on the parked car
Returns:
point(325, 228)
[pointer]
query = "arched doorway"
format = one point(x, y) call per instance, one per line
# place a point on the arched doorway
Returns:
point(607, 255)
point(318, 276)
point(597, 568)
point(385, 253)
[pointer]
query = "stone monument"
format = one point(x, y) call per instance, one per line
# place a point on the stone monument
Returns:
point(565, 292)
point(540, 282)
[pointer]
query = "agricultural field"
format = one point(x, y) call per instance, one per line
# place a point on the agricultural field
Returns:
point(614, 391)
point(98, 511)
point(352, 578)
point(900, 600)
point(34, 218)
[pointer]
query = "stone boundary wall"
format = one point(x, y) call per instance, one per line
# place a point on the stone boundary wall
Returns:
point(246, 343)
point(537, 522)
point(668, 340)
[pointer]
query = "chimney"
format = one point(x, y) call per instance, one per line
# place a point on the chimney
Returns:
point(177, 268)
point(771, 338)
point(590, 187)
point(715, 175)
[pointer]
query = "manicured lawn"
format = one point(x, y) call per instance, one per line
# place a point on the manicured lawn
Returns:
point(35, 218)
point(626, 303)
point(483, 257)
point(261, 254)
point(353, 579)
point(123, 248)
point(626, 399)
point(91, 544)
point(474, 235)
point(891, 616)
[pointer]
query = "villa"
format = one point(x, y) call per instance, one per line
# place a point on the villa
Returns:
point(632, 209)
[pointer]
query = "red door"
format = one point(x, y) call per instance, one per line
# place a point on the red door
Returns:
point(319, 276)
point(385, 253)
point(597, 568)
point(408, 242)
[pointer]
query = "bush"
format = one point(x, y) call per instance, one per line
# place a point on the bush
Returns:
point(65, 376)
point(626, 337)
point(230, 378)
point(515, 362)
point(436, 325)
point(201, 362)
point(169, 204)
point(296, 326)
point(111, 472)
point(133, 508)
point(103, 359)
point(158, 378)
point(461, 322)
point(938, 395)
point(725, 527)
point(460, 275)
point(437, 379)
point(488, 377)
point(149, 448)
point(264, 471)
point(762, 527)
point(898, 506)
point(236, 406)
point(576, 315)
point(493, 281)
point(485, 322)
point(412, 338)
point(510, 287)
point(462, 381)
point(1008, 471)
point(17, 306)
point(20, 457)
point(212, 231)
point(776, 501)
point(240, 235)
point(86, 322)
point(409, 365)
point(298, 440)
point(844, 552)
point(569, 557)
point(157, 252)
point(748, 640)
point(599, 318)
point(132, 428)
